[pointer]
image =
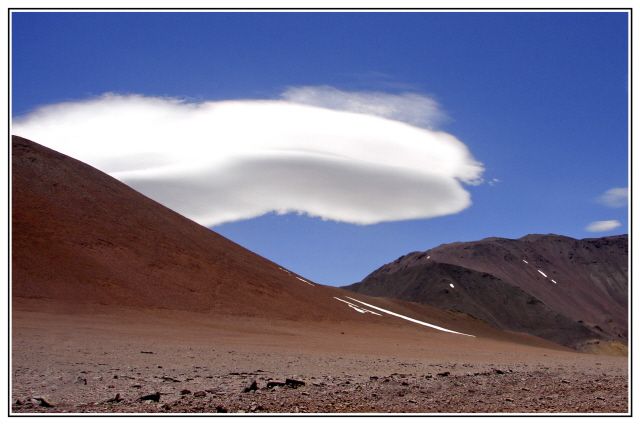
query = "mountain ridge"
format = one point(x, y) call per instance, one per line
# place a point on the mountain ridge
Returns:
point(582, 281)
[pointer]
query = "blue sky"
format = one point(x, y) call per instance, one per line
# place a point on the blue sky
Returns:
point(540, 99)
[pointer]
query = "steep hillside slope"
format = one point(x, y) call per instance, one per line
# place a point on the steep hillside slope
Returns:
point(81, 237)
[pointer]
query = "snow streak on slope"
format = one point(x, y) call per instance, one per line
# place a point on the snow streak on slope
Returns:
point(305, 281)
point(410, 319)
point(357, 308)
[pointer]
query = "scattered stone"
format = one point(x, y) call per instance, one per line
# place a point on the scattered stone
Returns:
point(221, 409)
point(170, 379)
point(444, 374)
point(600, 398)
point(564, 381)
point(509, 400)
point(166, 406)
point(272, 384)
point(499, 372)
point(147, 352)
point(81, 380)
point(43, 402)
point(253, 386)
point(116, 399)
point(18, 402)
point(199, 394)
point(185, 392)
point(373, 378)
point(294, 383)
point(136, 386)
point(153, 397)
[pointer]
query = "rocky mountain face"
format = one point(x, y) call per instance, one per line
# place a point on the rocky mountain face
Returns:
point(569, 291)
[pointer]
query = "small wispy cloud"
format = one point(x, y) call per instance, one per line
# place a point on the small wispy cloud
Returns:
point(602, 226)
point(412, 108)
point(615, 197)
point(322, 152)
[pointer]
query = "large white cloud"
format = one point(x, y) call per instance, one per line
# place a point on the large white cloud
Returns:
point(222, 161)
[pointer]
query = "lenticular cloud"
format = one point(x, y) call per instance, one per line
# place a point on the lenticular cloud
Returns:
point(217, 162)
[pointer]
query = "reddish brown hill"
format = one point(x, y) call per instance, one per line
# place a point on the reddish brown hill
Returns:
point(81, 237)
point(84, 244)
point(553, 286)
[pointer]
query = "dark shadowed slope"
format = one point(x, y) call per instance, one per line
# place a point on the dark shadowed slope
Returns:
point(566, 290)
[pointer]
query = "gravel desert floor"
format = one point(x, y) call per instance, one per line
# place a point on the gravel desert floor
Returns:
point(170, 362)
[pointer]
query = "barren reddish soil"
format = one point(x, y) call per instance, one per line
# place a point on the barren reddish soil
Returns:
point(201, 363)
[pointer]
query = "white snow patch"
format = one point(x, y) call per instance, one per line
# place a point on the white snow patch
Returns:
point(305, 281)
point(554, 281)
point(451, 284)
point(409, 318)
point(525, 261)
point(542, 273)
point(428, 256)
point(357, 308)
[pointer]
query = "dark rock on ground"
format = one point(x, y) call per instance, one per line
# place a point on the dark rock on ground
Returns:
point(43, 402)
point(272, 384)
point(116, 399)
point(294, 383)
point(153, 397)
point(253, 386)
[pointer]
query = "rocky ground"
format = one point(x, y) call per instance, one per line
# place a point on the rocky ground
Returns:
point(169, 364)
point(493, 390)
point(450, 388)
